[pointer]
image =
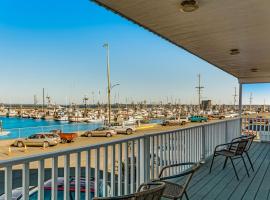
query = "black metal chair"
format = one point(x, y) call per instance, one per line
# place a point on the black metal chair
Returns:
point(174, 190)
point(146, 191)
point(250, 139)
point(232, 150)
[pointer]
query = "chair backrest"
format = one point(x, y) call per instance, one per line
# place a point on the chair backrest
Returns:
point(250, 141)
point(149, 191)
point(241, 146)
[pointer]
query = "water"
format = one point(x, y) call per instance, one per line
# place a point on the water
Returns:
point(21, 127)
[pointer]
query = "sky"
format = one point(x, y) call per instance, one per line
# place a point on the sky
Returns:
point(58, 45)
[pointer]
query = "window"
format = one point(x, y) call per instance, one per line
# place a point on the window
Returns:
point(32, 137)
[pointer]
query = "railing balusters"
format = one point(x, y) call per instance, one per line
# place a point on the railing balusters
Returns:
point(78, 176)
point(120, 188)
point(153, 156)
point(41, 179)
point(157, 156)
point(88, 175)
point(113, 193)
point(25, 181)
point(126, 164)
point(97, 177)
point(138, 164)
point(8, 182)
point(54, 177)
point(66, 177)
point(105, 171)
point(132, 182)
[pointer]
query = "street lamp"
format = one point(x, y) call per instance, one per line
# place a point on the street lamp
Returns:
point(106, 45)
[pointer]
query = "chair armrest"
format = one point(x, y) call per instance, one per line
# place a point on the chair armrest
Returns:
point(225, 144)
point(174, 165)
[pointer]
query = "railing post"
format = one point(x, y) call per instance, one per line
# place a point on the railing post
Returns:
point(203, 144)
point(145, 159)
point(226, 132)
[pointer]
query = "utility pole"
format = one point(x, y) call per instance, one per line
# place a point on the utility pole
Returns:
point(199, 88)
point(35, 101)
point(234, 98)
point(264, 105)
point(85, 99)
point(250, 101)
point(43, 99)
point(106, 45)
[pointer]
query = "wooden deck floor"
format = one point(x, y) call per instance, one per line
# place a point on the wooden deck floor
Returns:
point(222, 184)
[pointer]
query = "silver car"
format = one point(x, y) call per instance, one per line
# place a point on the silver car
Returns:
point(40, 139)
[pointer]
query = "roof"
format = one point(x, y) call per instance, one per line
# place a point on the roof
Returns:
point(210, 32)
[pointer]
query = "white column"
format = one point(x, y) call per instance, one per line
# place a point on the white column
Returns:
point(240, 108)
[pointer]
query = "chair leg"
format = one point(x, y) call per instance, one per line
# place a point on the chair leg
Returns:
point(245, 165)
point(250, 161)
point(212, 163)
point(225, 162)
point(186, 195)
point(234, 169)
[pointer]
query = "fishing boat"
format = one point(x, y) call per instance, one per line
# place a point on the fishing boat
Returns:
point(2, 131)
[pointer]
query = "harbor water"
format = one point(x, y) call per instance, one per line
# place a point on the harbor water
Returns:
point(22, 127)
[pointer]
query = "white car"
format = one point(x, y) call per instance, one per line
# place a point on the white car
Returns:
point(124, 129)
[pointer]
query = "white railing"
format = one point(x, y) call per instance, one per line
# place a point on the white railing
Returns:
point(259, 126)
point(117, 167)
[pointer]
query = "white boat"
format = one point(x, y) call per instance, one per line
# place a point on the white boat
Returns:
point(62, 118)
point(77, 119)
point(3, 133)
point(12, 113)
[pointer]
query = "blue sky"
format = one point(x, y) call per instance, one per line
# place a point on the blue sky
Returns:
point(58, 45)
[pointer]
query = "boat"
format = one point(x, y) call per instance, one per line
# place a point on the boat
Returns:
point(4, 133)
point(61, 117)
point(77, 119)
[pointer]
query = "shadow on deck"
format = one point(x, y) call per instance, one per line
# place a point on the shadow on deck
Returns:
point(222, 184)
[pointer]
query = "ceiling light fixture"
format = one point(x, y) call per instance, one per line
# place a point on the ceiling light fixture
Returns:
point(234, 51)
point(189, 5)
point(254, 70)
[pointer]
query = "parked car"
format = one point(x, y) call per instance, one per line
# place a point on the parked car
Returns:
point(197, 118)
point(174, 122)
point(119, 128)
point(40, 139)
point(101, 131)
point(17, 194)
point(65, 137)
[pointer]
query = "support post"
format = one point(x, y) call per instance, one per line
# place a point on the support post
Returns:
point(240, 108)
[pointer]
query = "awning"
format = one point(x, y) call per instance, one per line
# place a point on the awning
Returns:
point(213, 32)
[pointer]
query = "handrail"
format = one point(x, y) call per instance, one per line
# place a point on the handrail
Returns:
point(32, 158)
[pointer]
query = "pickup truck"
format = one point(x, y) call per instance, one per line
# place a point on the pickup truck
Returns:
point(198, 119)
point(65, 137)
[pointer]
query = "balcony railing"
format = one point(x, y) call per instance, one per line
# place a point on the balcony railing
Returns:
point(116, 167)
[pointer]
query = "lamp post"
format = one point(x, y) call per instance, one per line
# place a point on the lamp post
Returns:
point(106, 45)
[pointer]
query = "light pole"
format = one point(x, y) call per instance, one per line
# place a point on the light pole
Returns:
point(106, 45)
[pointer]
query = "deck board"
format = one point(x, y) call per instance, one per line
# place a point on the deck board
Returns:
point(222, 184)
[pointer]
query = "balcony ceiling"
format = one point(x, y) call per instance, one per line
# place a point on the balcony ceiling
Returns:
point(211, 31)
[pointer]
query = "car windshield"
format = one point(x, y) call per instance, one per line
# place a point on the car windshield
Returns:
point(32, 136)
